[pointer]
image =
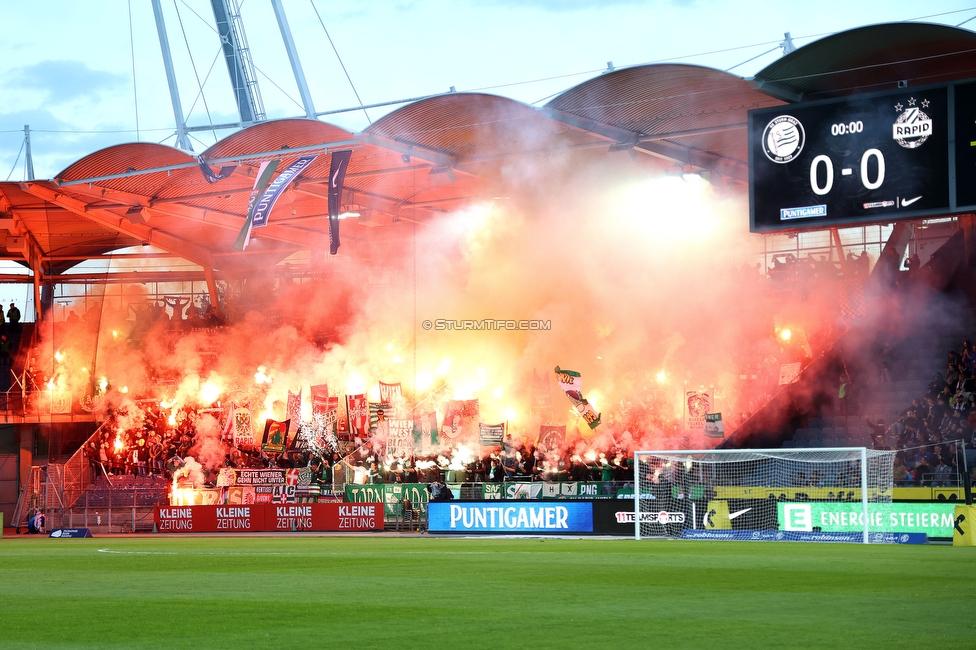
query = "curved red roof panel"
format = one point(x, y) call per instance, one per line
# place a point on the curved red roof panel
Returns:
point(663, 98)
point(291, 133)
point(472, 126)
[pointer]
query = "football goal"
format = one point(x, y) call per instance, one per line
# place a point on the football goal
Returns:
point(821, 494)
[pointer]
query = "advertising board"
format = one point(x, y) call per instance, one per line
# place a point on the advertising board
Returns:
point(331, 517)
point(933, 519)
point(516, 517)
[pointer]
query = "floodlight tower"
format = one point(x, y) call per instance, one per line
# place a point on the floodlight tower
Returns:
point(237, 54)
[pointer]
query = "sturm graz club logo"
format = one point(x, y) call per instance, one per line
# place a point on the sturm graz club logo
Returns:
point(913, 127)
point(783, 139)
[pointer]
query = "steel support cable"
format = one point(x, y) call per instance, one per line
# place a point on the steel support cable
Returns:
point(196, 75)
point(132, 55)
point(17, 160)
point(339, 58)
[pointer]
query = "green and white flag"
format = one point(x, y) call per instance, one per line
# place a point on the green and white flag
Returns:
point(713, 425)
point(572, 384)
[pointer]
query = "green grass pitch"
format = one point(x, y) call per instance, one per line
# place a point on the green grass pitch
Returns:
point(404, 592)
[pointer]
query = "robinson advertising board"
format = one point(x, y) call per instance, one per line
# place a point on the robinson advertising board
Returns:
point(324, 517)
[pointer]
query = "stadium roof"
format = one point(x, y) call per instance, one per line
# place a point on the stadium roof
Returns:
point(441, 153)
point(871, 58)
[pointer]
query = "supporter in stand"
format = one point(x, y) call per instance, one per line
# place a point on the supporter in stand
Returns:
point(510, 466)
point(922, 472)
point(952, 369)
point(900, 473)
point(103, 456)
point(942, 474)
point(4, 351)
point(91, 455)
point(577, 470)
point(13, 314)
point(495, 473)
point(374, 477)
point(936, 386)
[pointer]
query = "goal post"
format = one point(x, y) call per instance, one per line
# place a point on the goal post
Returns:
point(819, 494)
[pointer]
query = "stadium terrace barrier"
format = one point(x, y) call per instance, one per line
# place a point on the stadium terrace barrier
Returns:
point(262, 517)
point(956, 494)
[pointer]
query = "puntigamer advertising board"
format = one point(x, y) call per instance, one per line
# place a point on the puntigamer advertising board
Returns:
point(933, 519)
point(514, 517)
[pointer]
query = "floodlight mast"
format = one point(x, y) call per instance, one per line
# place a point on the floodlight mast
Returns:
point(243, 78)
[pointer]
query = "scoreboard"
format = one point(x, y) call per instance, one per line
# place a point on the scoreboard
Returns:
point(882, 157)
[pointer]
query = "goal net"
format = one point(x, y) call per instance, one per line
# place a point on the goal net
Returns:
point(773, 495)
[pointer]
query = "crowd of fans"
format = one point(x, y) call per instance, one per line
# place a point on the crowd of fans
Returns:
point(788, 267)
point(930, 431)
point(514, 461)
point(143, 440)
point(159, 444)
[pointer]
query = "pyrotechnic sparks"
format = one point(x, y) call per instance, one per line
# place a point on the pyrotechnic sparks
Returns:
point(209, 393)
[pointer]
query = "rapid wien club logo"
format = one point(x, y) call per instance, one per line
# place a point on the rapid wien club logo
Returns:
point(913, 127)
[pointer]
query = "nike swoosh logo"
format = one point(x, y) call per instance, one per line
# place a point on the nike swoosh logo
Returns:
point(905, 202)
point(741, 512)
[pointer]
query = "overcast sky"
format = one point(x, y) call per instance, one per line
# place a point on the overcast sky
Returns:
point(66, 67)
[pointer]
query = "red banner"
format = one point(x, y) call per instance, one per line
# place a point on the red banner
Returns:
point(357, 413)
point(329, 517)
point(320, 400)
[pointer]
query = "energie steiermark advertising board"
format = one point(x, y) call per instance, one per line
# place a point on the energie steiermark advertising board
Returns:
point(933, 519)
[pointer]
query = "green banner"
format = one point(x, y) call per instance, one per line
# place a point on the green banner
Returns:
point(416, 492)
point(390, 494)
point(366, 494)
point(564, 490)
point(933, 519)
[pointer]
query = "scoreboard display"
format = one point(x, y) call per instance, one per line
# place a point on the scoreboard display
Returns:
point(863, 159)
